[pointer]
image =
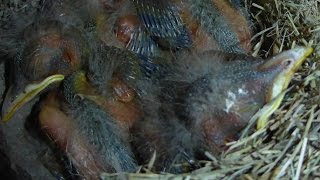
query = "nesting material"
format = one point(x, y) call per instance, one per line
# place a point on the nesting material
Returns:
point(289, 146)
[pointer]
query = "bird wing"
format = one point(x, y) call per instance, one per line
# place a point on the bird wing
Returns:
point(162, 20)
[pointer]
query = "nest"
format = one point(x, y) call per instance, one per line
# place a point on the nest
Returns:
point(289, 146)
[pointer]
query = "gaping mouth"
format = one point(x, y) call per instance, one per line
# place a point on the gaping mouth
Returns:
point(28, 94)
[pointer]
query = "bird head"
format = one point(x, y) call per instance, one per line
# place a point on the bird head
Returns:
point(48, 51)
point(222, 91)
point(286, 64)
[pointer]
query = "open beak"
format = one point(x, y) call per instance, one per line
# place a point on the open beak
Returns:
point(17, 97)
point(291, 60)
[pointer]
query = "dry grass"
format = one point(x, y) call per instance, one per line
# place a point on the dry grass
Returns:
point(289, 146)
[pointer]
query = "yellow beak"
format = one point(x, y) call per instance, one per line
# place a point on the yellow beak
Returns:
point(28, 94)
point(281, 82)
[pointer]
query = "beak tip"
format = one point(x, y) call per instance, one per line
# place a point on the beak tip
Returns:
point(5, 120)
point(6, 116)
point(309, 50)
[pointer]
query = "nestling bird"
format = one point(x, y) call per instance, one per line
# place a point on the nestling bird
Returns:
point(41, 48)
point(52, 52)
point(90, 119)
point(206, 100)
point(46, 48)
point(147, 27)
point(217, 25)
point(105, 97)
point(110, 82)
point(224, 95)
point(51, 41)
point(90, 137)
point(39, 30)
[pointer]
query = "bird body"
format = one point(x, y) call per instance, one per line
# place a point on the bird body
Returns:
point(224, 22)
point(207, 98)
point(147, 27)
point(224, 90)
point(48, 48)
point(90, 121)
point(92, 141)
